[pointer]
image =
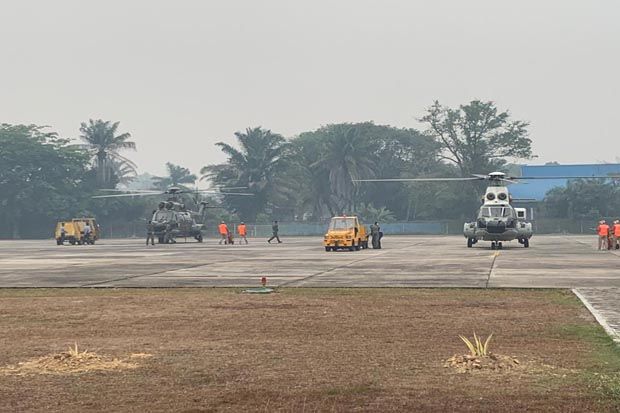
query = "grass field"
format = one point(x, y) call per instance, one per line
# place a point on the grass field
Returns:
point(302, 350)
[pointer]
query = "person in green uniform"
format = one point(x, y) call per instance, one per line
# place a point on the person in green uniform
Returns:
point(274, 230)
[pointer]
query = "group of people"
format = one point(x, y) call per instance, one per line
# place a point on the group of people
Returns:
point(226, 236)
point(608, 235)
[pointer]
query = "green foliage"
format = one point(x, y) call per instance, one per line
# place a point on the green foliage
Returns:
point(370, 214)
point(177, 176)
point(583, 199)
point(104, 146)
point(258, 164)
point(477, 137)
point(41, 177)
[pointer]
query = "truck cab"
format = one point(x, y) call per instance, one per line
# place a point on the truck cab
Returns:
point(345, 232)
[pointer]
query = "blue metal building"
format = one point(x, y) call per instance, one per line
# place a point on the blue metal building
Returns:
point(537, 189)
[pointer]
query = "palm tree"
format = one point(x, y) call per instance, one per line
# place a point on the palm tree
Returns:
point(123, 171)
point(348, 155)
point(177, 176)
point(104, 146)
point(255, 165)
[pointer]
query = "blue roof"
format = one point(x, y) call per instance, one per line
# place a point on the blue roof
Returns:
point(538, 188)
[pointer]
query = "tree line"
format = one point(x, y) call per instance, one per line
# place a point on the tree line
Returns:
point(45, 177)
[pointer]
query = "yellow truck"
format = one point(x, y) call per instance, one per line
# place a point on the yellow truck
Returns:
point(67, 231)
point(345, 232)
point(95, 231)
point(73, 231)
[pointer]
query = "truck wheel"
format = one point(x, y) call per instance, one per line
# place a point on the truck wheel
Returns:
point(470, 242)
point(328, 249)
point(72, 242)
point(199, 238)
point(526, 243)
point(358, 246)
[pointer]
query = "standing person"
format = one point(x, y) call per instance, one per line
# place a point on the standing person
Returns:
point(150, 233)
point(242, 231)
point(374, 233)
point(87, 232)
point(63, 233)
point(616, 232)
point(603, 232)
point(274, 230)
point(223, 229)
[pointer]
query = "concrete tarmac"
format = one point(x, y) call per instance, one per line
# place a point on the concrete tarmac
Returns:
point(405, 261)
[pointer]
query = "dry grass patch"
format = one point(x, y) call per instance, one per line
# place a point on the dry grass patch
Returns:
point(72, 361)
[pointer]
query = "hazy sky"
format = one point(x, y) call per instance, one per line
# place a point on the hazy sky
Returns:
point(181, 75)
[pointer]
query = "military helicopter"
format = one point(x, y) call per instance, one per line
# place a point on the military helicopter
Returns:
point(172, 218)
point(498, 221)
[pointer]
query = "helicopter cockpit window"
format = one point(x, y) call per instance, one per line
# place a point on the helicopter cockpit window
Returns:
point(163, 215)
point(342, 223)
point(496, 212)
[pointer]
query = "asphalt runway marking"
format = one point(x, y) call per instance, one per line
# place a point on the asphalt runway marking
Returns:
point(291, 282)
point(131, 277)
point(492, 268)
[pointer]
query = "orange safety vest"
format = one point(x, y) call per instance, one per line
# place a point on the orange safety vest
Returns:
point(241, 230)
point(603, 230)
point(617, 230)
point(223, 229)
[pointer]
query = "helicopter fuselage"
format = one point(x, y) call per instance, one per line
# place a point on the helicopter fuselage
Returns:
point(497, 221)
point(172, 220)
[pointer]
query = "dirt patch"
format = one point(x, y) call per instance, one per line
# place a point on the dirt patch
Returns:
point(467, 363)
point(72, 361)
point(299, 350)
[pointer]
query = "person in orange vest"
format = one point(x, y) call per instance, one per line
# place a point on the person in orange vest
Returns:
point(242, 231)
point(223, 229)
point(616, 232)
point(603, 232)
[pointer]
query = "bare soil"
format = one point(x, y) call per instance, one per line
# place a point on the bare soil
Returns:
point(299, 350)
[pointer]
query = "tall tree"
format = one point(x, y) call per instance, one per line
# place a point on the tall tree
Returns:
point(348, 154)
point(256, 165)
point(177, 176)
point(104, 145)
point(477, 137)
point(42, 178)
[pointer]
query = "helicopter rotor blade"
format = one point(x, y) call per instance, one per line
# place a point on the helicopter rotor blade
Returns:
point(418, 179)
point(149, 191)
point(564, 177)
point(127, 195)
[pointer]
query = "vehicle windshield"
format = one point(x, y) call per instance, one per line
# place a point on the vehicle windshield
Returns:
point(342, 223)
point(495, 212)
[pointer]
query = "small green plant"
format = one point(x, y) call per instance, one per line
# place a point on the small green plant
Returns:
point(477, 348)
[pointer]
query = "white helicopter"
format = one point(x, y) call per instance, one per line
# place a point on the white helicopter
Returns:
point(498, 221)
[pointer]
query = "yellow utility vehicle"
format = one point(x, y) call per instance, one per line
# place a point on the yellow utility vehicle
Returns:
point(345, 232)
point(73, 231)
point(95, 231)
point(67, 231)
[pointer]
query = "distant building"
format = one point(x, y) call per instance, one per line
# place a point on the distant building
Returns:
point(537, 189)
